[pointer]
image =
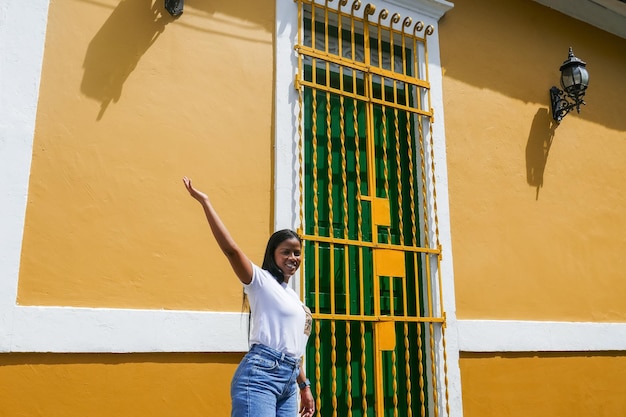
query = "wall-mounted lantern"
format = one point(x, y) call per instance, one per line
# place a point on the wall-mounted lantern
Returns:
point(574, 80)
point(174, 7)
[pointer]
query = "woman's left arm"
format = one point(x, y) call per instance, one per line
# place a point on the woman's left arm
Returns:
point(307, 403)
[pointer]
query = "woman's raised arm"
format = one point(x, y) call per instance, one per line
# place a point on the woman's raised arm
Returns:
point(238, 260)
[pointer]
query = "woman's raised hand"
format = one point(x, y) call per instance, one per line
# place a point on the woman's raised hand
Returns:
point(198, 195)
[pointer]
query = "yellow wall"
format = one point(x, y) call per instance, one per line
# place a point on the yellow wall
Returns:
point(130, 101)
point(543, 385)
point(535, 235)
point(135, 385)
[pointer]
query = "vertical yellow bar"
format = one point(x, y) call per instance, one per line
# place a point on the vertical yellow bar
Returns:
point(385, 158)
point(399, 176)
point(314, 156)
point(378, 367)
point(315, 197)
point(433, 370)
point(318, 373)
point(394, 19)
point(357, 163)
point(346, 273)
point(416, 272)
point(428, 31)
point(333, 360)
point(316, 263)
point(429, 290)
point(300, 30)
point(315, 193)
point(352, 34)
point(329, 202)
point(326, 27)
point(411, 156)
point(420, 361)
point(394, 383)
point(392, 309)
point(405, 24)
point(363, 370)
point(300, 141)
point(339, 32)
point(407, 370)
point(361, 283)
point(344, 184)
point(445, 364)
point(378, 374)
point(379, 35)
point(349, 367)
point(405, 295)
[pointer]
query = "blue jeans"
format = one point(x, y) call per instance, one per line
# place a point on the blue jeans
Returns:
point(264, 384)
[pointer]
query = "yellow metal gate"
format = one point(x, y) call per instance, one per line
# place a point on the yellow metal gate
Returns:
point(368, 214)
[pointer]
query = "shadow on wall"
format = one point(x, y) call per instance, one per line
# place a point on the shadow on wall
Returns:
point(118, 46)
point(135, 25)
point(538, 148)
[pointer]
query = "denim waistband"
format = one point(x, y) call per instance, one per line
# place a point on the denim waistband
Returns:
point(275, 354)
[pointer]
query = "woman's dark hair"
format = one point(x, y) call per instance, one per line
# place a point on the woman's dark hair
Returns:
point(276, 239)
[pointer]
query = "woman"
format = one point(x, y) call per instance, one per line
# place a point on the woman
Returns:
point(264, 384)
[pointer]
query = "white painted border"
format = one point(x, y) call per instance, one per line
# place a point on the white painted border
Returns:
point(608, 15)
point(286, 197)
point(539, 336)
point(64, 329)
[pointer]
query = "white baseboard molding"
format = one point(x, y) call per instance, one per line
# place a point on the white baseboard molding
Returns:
point(539, 336)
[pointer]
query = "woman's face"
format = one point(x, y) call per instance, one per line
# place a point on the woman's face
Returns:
point(287, 256)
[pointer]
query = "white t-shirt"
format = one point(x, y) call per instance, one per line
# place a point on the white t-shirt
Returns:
point(279, 319)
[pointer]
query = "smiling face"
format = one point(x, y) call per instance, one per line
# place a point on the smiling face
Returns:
point(287, 257)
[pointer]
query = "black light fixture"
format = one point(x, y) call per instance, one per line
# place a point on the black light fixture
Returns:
point(174, 7)
point(574, 80)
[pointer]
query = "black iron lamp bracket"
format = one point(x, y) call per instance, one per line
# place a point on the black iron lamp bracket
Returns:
point(561, 105)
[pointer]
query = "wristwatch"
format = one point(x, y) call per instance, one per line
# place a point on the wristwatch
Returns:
point(304, 384)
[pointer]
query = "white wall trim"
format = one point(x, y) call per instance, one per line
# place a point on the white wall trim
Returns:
point(64, 329)
point(431, 8)
point(286, 167)
point(539, 336)
point(22, 36)
point(608, 15)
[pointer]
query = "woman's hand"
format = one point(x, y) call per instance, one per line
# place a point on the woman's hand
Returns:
point(307, 404)
point(198, 195)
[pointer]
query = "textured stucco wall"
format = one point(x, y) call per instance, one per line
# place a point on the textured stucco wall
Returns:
point(543, 384)
point(536, 208)
point(130, 101)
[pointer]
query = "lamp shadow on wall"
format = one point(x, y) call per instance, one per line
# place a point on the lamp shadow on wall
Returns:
point(118, 46)
point(538, 148)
